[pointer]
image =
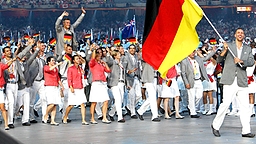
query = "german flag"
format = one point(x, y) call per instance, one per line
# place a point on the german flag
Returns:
point(169, 32)
point(52, 41)
point(117, 41)
point(132, 40)
point(66, 57)
point(26, 37)
point(212, 41)
point(87, 36)
point(36, 34)
point(67, 37)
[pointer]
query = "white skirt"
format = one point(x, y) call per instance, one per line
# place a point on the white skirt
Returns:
point(52, 94)
point(76, 98)
point(170, 92)
point(99, 92)
point(208, 85)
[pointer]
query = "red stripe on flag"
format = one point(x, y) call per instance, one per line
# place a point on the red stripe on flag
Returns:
point(162, 32)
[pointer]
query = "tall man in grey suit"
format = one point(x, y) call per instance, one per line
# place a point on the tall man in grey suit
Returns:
point(66, 28)
point(193, 73)
point(234, 80)
point(131, 66)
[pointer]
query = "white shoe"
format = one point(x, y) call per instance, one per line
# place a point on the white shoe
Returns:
point(237, 114)
point(209, 113)
point(204, 112)
point(232, 113)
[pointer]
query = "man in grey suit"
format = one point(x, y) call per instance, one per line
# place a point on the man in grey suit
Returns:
point(193, 73)
point(66, 28)
point(147, 77)
point(234, 80)
point(131, 66)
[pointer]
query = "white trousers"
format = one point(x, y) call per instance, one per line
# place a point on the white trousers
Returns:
point(118, 93)
point(194, 96)
point(134, 96)
point(37, 88)
point(229, 94)
point(11, 93)
point(150, 101)
point(24, 99)
point(64, 101)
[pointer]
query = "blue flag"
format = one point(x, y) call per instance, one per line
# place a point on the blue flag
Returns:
point(129, 30)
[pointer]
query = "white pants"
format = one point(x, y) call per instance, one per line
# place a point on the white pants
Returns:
point(134, 96)
point(194, 96)
point(242, 95)
point(64, 100)
point(98, 109)
point(150, 101)
point(118, 93)
point(11, 93)
point(24, 98)
point(37, 87)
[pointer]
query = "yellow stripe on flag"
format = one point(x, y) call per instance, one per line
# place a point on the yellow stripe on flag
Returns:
point(186, 39)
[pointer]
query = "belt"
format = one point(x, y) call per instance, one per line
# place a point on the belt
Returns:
point(39, 80)
point(122, 81)
point(197, 79)
point(11, 82)
point(98, 81)
point(63, 78)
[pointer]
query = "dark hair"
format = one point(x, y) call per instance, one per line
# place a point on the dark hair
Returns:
point(48, 59)
point(65, 19)
point(132, 45)
point(6, 48)
point(73, 58)
point(239, 28)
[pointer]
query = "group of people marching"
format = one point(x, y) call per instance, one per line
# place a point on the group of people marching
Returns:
point(100, 74)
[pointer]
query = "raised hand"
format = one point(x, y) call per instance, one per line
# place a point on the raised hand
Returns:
point(83, 10)
point(65, 13)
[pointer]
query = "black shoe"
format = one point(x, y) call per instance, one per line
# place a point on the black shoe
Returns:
point(249, 135)
point(48, 121)
point(10, 126)
point(33, 121)
point(128, 111)
point(100, 118)
point(195, 116)
point(121, 121)
point(134, 117)
point(0, 122)
point(140, 116)
point(216, 132)
point(36, 113)
point(69, 121)
point(253, 115)
point(61, 111)
point(161, 110)
point(156, 120)
point(26, 124)
point(111, 118)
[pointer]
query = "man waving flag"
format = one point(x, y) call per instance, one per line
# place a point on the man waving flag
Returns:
point(169, 32)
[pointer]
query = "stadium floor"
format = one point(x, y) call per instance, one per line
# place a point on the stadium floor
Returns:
point(185, 131)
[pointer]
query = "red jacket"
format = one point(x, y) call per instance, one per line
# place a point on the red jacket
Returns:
point(51, 77)
point(98, 70)
point(75, 77)
point(2, 68)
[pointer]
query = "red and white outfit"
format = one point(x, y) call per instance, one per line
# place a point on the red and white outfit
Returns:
point(2, 81)
point(99, 91)
point(75, 79)
point(51, 84)
point(173, 90)
point(211, 84)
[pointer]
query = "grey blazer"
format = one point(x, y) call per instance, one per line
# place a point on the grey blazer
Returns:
point(187, 71)
point(60, 34)
point(231, 69)
point(33, 71)
point(147, 75)
point(129, 65)
point(24, 76)
point(114, 76)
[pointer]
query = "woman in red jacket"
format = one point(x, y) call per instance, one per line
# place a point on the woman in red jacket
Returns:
point(52, 92)
point(2, 83)
point(76, 94)
point(99, 91)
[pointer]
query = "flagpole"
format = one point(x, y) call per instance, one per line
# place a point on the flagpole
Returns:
point(219, 36)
